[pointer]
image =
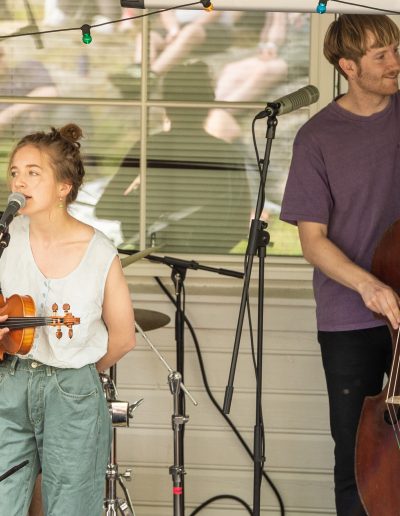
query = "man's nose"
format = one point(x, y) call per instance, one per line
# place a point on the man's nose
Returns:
point(395, 61)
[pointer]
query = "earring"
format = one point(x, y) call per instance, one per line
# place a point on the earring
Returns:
point(61, 204)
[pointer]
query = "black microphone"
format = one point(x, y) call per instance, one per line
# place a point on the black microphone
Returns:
point(16, 201)
point(33, 26)
point(296, 100)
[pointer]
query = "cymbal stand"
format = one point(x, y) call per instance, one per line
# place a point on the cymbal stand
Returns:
point(179, 268)
point(121, 412)
point(179, 419)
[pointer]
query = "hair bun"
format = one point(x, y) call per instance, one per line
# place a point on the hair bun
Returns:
point(71, 132)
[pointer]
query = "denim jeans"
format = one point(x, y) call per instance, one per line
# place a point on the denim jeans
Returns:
point(58, 420)
point(355, 363)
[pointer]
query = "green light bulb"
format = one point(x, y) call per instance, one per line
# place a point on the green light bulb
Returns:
point(87, 38)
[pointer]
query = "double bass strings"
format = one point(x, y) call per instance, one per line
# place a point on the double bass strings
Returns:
point(393, 397)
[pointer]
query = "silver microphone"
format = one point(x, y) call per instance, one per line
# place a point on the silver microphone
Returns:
point(291, 102)
point(16, 201)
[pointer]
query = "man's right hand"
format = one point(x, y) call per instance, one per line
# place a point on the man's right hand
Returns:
point(381, 299)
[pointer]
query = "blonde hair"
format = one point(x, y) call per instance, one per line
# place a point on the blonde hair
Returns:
point(349, 35)
point(63, 150)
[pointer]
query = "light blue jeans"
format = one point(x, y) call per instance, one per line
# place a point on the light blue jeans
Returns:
point(57, 419)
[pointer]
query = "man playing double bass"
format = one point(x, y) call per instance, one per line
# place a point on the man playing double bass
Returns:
point(343, 192)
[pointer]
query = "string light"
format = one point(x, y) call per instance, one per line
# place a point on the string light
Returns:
point(321, 7)
point(86, 37)
point(208, 6)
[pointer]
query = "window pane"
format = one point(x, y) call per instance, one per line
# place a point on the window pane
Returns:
point(199, 165)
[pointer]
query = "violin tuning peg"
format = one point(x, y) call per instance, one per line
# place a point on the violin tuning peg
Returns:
point(70, 333)
point(66, 307)
point(54, 307)
point(58, 333)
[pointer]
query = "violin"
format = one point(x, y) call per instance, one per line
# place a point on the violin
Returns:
point(22, 322)
point(377, 462)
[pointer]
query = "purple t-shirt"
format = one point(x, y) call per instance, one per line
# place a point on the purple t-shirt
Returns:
point(345, 173)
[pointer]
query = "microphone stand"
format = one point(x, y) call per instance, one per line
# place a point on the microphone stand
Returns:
point(178, 421)
point(175, 379)
point(178, 275)
point(257, 243)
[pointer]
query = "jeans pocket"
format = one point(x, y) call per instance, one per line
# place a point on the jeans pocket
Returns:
point(76, 383)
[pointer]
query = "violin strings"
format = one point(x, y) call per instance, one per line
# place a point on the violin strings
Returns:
point(26, 322)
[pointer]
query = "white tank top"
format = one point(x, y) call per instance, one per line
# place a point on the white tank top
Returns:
point(82, 289)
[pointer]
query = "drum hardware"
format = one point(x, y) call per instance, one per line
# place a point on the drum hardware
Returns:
point(179, 419)
point(120, 412)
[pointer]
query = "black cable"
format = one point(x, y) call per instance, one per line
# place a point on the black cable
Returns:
point(214, 401)
point(215, 498)
point(366, 6)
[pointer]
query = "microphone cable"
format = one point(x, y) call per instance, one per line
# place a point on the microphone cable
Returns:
point(217, 406)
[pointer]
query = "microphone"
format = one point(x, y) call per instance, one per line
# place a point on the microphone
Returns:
point(16, 201)
point(291, 102)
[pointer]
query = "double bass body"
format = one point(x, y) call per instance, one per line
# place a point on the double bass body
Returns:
point(378, 437)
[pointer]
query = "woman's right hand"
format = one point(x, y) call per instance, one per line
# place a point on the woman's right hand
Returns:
point(3, 331)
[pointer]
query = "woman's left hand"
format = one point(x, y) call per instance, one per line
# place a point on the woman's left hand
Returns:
point(3, 331)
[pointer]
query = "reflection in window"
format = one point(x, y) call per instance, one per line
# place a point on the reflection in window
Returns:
point(201, 172)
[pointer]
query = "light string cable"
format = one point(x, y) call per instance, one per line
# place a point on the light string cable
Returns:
point(206, 6)
point(205, 3)
point(389, 11)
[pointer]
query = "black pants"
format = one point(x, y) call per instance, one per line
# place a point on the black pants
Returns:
point(355, 363)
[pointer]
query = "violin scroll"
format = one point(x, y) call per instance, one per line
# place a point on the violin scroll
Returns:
point(67, 320)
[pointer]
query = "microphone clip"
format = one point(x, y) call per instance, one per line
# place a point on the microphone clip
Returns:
point(271, 109)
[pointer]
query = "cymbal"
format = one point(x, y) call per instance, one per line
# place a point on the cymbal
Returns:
point(150, 319)
point(138, 256)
